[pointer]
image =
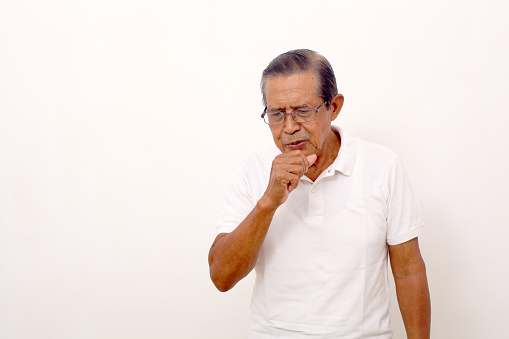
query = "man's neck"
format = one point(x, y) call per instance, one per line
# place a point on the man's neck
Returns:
point(327, 156)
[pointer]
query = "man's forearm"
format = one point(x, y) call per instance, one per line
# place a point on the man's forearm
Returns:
point(415, 305)
point(234, 255)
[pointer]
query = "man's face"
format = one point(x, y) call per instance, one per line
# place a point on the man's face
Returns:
point(287, 93)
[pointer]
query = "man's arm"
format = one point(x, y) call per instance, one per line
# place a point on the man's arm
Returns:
point(411, 288)
point(233, 255)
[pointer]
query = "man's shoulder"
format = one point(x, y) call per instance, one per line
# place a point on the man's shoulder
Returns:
point(260, 161)
point(374, 149)
point(374, 156)
point(363, 149)
point(254, 169)
point(360, 145)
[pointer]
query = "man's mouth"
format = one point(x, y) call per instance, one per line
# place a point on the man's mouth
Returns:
point(299, 144)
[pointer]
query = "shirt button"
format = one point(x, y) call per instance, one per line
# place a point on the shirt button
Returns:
point(313, 189)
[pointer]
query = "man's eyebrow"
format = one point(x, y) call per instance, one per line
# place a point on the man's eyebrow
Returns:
point(279, 109)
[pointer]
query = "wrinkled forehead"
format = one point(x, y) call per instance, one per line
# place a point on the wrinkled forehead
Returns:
point(295, 89)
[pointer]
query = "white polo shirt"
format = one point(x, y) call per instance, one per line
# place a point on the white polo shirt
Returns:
point(322, 271)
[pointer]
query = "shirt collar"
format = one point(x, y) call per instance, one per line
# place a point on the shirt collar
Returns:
point(345, 160)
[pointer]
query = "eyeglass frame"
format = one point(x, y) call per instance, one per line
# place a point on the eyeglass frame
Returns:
point(293, 116)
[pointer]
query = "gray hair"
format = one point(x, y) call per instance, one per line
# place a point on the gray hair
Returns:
point(301, 61)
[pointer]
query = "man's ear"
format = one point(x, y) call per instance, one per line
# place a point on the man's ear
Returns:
point(336, 103)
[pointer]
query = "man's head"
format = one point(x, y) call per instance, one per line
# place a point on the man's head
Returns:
point(298, 80)
point(301, 61)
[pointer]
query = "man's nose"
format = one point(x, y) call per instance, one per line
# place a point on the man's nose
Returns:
point(291, 126)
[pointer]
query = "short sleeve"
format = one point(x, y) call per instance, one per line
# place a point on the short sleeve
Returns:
point(405, 220)
point(238, 202)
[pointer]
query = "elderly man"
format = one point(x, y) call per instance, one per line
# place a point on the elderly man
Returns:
point(317, 217)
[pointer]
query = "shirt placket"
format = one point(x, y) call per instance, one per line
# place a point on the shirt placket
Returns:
point(315, 199)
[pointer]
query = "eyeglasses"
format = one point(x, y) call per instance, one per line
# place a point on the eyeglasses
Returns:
point(300, 115)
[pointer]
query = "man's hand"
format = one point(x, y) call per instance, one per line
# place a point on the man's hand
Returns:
point(287, 169)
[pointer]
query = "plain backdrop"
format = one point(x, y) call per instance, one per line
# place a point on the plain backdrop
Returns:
point(121, 121)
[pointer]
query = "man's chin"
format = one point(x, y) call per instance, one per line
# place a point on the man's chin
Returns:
point(306, 150)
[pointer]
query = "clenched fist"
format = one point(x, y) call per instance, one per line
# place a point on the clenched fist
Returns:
point(287, 169)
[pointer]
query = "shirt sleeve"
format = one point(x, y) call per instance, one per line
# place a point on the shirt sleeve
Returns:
point(405, 220)
point(238, 202)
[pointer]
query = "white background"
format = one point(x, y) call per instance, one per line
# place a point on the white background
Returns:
point(120, 122)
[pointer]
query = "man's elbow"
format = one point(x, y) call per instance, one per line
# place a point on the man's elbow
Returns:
point(223, 287)
point(221, 283)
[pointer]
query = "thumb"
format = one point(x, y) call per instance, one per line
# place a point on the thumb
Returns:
point(311, 159)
